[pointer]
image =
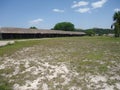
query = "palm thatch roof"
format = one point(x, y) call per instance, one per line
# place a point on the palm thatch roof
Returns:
point(36, 31)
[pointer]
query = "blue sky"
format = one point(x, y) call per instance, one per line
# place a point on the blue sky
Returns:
point(46, 13)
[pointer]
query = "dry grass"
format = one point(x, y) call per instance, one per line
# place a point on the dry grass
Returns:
point(76, 63)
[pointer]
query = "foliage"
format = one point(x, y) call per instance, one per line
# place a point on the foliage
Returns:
point(116, 24)
point(33, 27)
point(99, 31)
point(65, 26)
point(90, 32)
point(117, 30)
point(116, 17)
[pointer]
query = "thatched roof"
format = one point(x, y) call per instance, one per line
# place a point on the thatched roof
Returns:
point(35, 31)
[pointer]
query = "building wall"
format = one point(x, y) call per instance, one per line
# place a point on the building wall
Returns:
point(38, 35)
point(0, 36)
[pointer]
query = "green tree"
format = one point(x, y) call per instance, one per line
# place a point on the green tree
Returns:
point(116, 17)
point(65, 26)
point(33, 27)
point(116, 24)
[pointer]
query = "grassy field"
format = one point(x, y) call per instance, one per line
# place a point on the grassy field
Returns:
point(70, 63)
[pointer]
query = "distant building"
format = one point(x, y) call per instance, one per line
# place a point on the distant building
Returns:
point(21, 33)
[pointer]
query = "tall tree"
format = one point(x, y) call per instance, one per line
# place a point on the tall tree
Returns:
point(116, 17)
point(116, 24)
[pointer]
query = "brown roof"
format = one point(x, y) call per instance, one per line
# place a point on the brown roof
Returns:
point(35, 31)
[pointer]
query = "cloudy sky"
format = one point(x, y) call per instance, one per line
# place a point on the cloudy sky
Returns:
point(46, 13)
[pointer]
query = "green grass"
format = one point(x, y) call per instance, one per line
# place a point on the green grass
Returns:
point(4, 85)
point(11, 48)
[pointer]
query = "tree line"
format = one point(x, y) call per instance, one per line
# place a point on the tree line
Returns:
point(68, 26)
point(96, 31)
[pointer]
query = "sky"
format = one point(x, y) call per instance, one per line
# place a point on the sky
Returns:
point(44, 14)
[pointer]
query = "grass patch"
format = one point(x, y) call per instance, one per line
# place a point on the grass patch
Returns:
point(4, 85)
point(94, 56)
point(11, 48)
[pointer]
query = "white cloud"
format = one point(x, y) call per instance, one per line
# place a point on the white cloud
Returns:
point(58, 10)
point(36, 21)
point(98, 4)
point(78, 4)
point(117, 9)
point(83, 10)
point(83, 6)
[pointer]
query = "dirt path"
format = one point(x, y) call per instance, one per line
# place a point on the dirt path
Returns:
point(3, 43)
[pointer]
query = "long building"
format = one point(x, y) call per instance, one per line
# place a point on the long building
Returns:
point(22, 33)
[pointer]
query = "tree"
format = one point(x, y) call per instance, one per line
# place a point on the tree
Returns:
point(65, 26)
point(116, 17)
point(116, 24)
point(33, 27)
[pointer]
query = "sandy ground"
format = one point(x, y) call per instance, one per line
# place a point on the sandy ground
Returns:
point(29, 70)
point(3, 43)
